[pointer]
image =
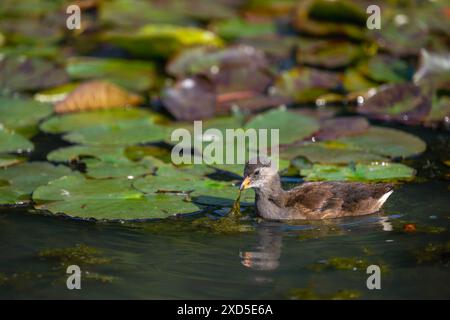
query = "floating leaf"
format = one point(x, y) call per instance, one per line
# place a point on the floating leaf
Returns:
point(104, 153)
point(354, 80)
point(239, 28)
point(340, 127)
point(190, 99)
point(327, 53)
point(69, 122)
point(22, 114)
point(94, 95)
point(11, 141)
point(111, 199)
point(98, 169)
point(161, 40)
point(387, 142)
point(291, 126)
point(121, 133)
point(306, 84)
point(133, 75)
point(330, 153)
point(440, 111)
point(384, 68)
point(22, 74)
point(8, 160)
point(22, 179)
point(376, 171)
point(55, 94)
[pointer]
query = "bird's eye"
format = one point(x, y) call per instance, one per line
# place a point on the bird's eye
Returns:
point(256, 173)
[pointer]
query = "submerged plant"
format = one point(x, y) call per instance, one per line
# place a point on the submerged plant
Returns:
point(80, 254)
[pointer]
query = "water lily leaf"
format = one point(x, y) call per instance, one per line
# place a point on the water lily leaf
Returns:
point(440, 111)
point(111, 199)
point(202, 190)
point(382, 171)
point(22, 74)
point(191, 98)
point(405, 103)
point(114, 155)
point(292, 126)
point(22, 179)
point(9, 160)
point(327, 53)
point(387, 142)
point(70, 122)
point(235, 28)
point(330, 153)
point(121, 133)
point(306, 84)
point(161, 40)
point(11, 141)
point(354, 80)
point(56, 94)
point(340, 127)
point(22, 114)
point(98, 169)
point(94, 95)
point(133, 75)
point(330, 22)
point(384, 68)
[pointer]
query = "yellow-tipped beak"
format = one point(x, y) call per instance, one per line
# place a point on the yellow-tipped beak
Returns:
point(245, 184)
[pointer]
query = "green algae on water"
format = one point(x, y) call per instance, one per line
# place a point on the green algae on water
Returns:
point(310, 294)
point(80, 255)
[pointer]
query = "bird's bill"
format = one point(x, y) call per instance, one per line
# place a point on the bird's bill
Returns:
point(245, 184)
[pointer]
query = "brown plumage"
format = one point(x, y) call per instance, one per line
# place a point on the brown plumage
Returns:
point(312, 200)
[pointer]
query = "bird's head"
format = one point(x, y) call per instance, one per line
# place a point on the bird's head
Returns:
point(258, 173)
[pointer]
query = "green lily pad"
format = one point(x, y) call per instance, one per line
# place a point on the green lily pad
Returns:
point(22, 179)
point(22, 114)
point(376, 171)
point(387, 142)
point(161, 40)
point(104, 153)
point(98, 169)
point(292, 126)
point(111, 199)
point(239, 28)
point(55, 94)
point(11, 141)
point(306, 84)
point(130, 74)
point(202, 190)
point(70, 122)
point(384, 68)
point(22, 74)
point(122, 133)
point(354, 80)
point(9, 160)
point(330, 153)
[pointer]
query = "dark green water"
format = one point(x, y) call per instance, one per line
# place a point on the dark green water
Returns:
point(147, 261)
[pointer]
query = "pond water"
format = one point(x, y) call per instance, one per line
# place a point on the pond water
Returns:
point(158, 260)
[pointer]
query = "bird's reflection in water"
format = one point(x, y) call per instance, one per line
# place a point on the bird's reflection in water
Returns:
point(266, 254)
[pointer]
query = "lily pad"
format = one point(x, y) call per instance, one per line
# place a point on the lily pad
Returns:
point(233, 29)
point(306, 84)
point(121, 133)
point(23, 74)
point(384, 68)
point(130, 74)
point(292, 126)
point(376, 171)
point(104, 153)
point(98, 169)
point(202, 190)
point(22, 114)
point(111, 199)
point(330, 153)
point(9, 160)
point(161, 40)
point(11, 141)
point(70, 122)
point(22, 179)
point(387, 142)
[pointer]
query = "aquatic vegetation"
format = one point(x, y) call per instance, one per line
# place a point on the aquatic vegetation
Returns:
point(433, 253)
point(94, 95)
point(310, 294)
point(345, 263)
point(80, 254)
point(11, 141)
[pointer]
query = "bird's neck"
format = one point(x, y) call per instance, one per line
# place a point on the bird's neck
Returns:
point(272, 192)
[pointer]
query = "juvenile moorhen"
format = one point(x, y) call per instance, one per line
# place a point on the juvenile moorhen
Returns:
point(310, 200)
